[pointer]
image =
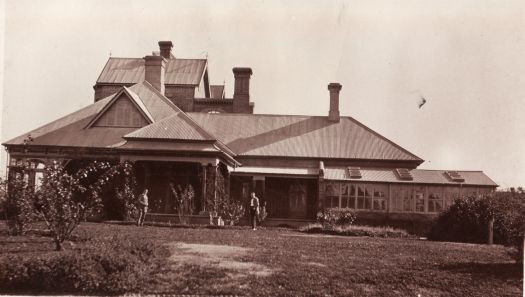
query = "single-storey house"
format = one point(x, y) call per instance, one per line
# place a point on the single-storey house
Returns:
point(162, 112)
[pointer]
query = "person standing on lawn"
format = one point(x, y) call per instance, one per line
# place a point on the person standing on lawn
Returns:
point(143, 207)
point(254, 210)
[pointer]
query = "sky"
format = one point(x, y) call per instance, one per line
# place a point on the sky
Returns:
point(466, 58)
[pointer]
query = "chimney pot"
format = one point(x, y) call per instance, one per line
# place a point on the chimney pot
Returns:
point(165, 49)
point(154, 71)
point(333, 114)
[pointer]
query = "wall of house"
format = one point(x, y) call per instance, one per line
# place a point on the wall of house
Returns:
point(102, 91)
point(210, 107)
point(182, 96)
point(395, 198)
point(122, 114)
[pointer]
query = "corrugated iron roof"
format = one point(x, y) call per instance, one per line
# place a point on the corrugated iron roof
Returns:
point(74, 135)
point(217, 91)
point(421, 176)
point(131, 70)
point(176, 127)
point(70, 129)
point(157, 104)
point(87, 112)
point(300, 136)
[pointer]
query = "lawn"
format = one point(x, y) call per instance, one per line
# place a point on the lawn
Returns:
point(283, 262)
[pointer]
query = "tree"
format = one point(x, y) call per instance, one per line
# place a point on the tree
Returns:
point(65, 199)
point(467, 220)
point(215, 193)
point(184, 201)
point(17, 200)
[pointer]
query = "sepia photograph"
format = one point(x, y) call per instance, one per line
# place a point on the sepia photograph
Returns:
point(262, 148)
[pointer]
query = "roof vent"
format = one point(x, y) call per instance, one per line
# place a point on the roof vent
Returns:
point(455, 176)
point(404, 174)
point(354, 172)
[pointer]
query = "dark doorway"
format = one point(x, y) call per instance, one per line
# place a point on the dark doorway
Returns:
point(293, 198)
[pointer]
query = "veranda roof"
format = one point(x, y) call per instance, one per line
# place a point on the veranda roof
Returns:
point(420, 176)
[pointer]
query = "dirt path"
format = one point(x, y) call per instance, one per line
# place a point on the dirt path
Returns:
point(219, 256)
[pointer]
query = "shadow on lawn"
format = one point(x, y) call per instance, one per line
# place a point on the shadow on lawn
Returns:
point(503, 271)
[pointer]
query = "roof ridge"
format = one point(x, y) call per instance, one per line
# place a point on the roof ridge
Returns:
point(459, 170)
point(142, 105)
point(162, 96)
point(141, 58)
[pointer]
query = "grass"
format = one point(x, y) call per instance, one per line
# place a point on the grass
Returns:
point(280, 262)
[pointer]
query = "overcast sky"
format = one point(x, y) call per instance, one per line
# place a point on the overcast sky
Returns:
point(467, 58)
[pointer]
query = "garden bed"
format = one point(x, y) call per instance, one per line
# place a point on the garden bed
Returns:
point(355, 230)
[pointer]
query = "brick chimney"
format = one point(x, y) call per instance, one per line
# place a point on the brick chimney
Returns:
point(241, 93)
point(154, 71)
point(165, 49)
point(333, 114)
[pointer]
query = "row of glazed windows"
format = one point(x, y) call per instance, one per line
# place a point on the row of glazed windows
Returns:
point(404, 198)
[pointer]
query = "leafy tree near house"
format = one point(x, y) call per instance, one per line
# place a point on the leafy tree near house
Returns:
point(16, 198)
point(215, 193)
point(184, 201)
point(64, 199)
point(467, 220)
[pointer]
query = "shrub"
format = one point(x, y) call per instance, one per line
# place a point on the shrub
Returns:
point(17, 200)
point(331, 217)
point(65, 199)
point(352, 230)
point(113, 265)
point(467, 220)
point(231, 210)
point(184, 202)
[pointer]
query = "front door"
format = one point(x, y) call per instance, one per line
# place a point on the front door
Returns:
point(297, 200)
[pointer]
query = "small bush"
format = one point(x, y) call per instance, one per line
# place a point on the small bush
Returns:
point(231, 210)
point(332, 217)
point(352, 230)
point(111, 266)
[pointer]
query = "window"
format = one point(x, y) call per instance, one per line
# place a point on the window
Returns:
point(380, 197)
point(331, 199)
point(354, 172)
point(408, 198)
point(435, 200)
point(403, 174)
point(419, 194)
point(455, 176)
point(450, 194)
point(364, 199)
point(397, 198)
point(348, 196)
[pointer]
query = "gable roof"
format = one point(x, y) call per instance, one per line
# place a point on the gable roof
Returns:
point(70, 130)
point(131, 70)
point(420, 176)
point(134, 98)
point(176, 127)
point(300, 136)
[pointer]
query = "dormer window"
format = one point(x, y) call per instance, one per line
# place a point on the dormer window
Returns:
point(404, 174)
point(455, 176)
point(354, 172)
